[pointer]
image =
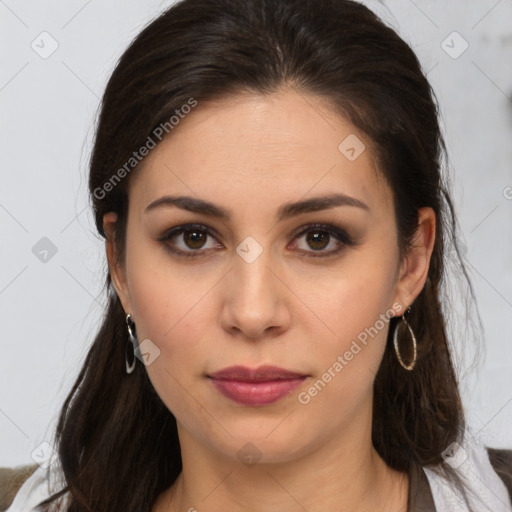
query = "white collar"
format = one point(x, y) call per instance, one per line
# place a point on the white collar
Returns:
point(471, 461)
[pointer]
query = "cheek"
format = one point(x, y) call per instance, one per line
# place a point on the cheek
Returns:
point(357, 310)
point(348, 360)
point(172, 308)
point(353, 303)
point(172, 315)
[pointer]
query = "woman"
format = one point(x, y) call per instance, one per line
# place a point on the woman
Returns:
point(267, 176)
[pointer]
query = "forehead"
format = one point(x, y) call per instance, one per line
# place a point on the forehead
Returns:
point(252, 149)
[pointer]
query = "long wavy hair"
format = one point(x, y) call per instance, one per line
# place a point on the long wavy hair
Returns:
point(209, 49)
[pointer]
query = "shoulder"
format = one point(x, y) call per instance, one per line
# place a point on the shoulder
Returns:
point(485, 473)
point(23, 488)
point(11, 479)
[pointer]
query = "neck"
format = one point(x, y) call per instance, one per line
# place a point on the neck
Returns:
point(336, 476)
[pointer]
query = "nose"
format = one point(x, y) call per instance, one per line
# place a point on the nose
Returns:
point(255, 299)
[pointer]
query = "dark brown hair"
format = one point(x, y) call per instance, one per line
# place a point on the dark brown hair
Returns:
point(117, 442)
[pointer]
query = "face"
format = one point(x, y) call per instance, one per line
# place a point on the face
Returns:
point(308, 290)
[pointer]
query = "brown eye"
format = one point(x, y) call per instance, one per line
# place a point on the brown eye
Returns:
point(319, 236)
point(194, 239)
point(318, 239)
point(189, 241)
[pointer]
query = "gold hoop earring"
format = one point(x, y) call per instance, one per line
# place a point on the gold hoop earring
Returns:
point(411, 365)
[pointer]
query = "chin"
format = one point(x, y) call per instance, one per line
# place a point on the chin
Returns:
point(263, 444)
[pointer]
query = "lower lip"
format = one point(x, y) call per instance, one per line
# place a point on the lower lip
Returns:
point(256, 393)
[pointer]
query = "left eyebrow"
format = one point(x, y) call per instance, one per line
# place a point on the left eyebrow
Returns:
point(285, 211)
point(315, 204)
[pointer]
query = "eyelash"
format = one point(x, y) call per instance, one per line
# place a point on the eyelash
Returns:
point(340, 235)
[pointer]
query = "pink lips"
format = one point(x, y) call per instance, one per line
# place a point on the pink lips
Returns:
point(261, 386)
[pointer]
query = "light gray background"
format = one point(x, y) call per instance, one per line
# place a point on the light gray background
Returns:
point(50, 311)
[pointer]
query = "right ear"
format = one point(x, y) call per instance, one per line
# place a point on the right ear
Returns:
point(117, 271)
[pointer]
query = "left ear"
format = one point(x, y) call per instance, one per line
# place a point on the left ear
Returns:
point(414, 268)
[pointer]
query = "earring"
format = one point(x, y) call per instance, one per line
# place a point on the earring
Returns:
point(132, 340)
point(410, 366)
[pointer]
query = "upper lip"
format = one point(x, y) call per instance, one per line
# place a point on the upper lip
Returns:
point(260, 374)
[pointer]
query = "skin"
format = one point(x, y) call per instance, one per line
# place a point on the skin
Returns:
point(250, 154)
